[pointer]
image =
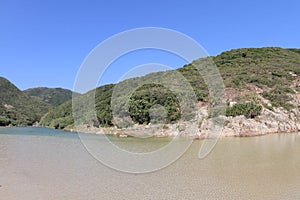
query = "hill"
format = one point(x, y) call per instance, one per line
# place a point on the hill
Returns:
point(257, 80)
point(52, 96)
point(17, 108)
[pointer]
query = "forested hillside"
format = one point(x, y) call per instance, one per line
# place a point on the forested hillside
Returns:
point(255, 78)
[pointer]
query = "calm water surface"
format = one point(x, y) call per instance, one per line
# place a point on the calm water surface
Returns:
point(37, 163)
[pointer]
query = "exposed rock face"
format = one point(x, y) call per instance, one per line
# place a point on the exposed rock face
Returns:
point(277, 121)
point(269, 122)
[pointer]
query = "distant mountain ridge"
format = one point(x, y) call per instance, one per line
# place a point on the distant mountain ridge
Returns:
point(52, 96)
point(17, 108)
point(27, 107)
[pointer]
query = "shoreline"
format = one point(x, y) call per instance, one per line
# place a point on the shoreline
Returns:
point(276, 121)
point(122, 133)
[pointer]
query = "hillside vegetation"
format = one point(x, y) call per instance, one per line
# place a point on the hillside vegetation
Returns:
point(52, 96)
point(255, 78)
point(17, 108)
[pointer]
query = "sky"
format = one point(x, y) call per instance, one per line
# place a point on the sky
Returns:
point(44, 43)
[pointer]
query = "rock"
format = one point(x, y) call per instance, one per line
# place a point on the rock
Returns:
point(232, 103)
point(7, 106)
point(35, 124)
point(269, 121)
point(269, 104)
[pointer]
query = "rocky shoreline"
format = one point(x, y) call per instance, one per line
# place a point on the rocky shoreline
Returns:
point(268, 122)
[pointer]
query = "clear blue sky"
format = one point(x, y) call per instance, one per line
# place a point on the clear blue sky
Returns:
point(43, 43)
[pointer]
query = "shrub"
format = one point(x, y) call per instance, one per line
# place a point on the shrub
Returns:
point(279, 97)
point(150, 95)
point(248, 109)
point(4, 121)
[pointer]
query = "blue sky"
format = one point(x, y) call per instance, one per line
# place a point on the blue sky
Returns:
point(43, 43)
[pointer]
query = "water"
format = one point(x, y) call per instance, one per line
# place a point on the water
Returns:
point(45, 164)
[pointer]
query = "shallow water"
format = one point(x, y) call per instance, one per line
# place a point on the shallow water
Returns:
point(38, 163)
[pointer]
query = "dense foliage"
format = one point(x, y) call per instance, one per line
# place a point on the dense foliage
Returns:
point(147, 96)
point(52, 96)
point(248, 109)
point(60, 118)
point(103, 104)
point(16, 108)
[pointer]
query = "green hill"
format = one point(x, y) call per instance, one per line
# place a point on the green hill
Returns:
point(254, 78)
point(17, 108)
point(52, 96)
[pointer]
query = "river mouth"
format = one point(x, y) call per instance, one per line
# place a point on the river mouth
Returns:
point(38, 163)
